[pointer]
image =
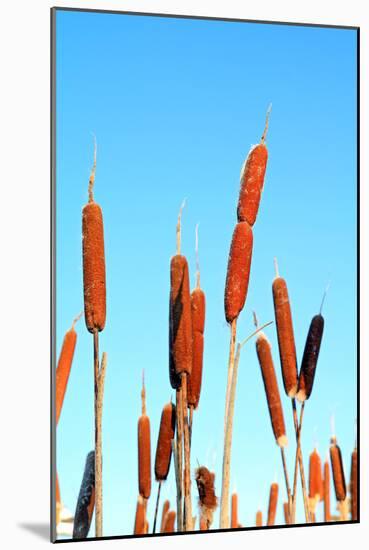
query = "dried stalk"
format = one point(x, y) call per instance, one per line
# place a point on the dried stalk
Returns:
point(187, 458)
point(179, 455)
point(226, 470)
point(156, 507)
point(231, 360)
point(99, 376)
point(299, 461)
point(178, 484)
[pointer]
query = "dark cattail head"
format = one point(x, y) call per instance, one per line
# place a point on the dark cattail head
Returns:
point(337, 470)
point(86, 500)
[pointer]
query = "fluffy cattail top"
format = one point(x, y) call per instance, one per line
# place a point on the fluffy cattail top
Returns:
point(198, 323)
point(264, 353)
point(94, 284)
point(315, 477)
point(337, 470)
point(144, 450)
point(164, 446)
point(238, 271)
point(205, 486)
point(64, 366)
point(86, 500)
point(353, 485)
point(286, 339)
point(207, 499)
point(273, 501)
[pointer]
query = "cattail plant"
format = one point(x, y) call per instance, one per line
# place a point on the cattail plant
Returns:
point(259, 518)
point(273, 501)
point(198, 325)
point(264, 353)
point(239, 265)
point(207, 499)
point(144, 449)
point(64, 366)
point(327, 492)
point(86, 500)
point(288, 359)
point(285, 333)
point(181, 355)
point(306, 381)
point(286, 513)
point(164, 449)
point(165, 510)
point(353, 485)
point(234, 511)
point(338, 478)
point(140, 517)
point(316, 490)
point(94, 288)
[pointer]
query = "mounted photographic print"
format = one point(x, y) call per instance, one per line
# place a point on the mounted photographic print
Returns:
point(204, 274)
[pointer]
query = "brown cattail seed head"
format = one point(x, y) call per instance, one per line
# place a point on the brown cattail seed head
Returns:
point(169, 522)
point(264, 354)
point(310, 358)
point(205, 486)
point(86, 500)
point(316, 491)
point(327, 492)
point(337, 470)
point(174, 378)
point(286, 513)
point(166, 506)
point(64, 367)
point(144, 456)
point(273, 501)
point(286, 339)
point(198, 324)
point(140, 519)
point(259, 518)
point(164, 447)
point(180, 316)
point(207, 499)
point(198, 310)
point(195, 378)
point(94, 285)
point(252, 182)
point(238, 271)
point(353, 485)
point(234, 511)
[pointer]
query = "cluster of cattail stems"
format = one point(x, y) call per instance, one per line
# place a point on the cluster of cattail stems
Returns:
point(186, 346)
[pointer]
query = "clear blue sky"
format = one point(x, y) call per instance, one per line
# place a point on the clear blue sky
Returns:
point(175, 105)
